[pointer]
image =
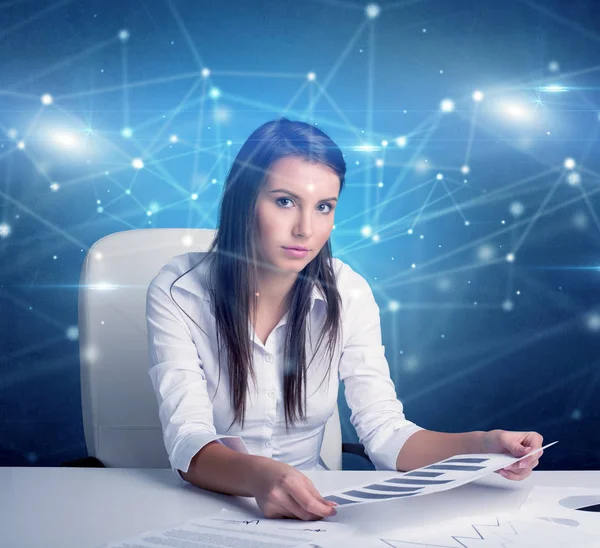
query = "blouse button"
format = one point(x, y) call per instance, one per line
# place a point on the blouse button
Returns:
point(268, 444)
point(269, 358)
point(272, 393)
point(270, 423)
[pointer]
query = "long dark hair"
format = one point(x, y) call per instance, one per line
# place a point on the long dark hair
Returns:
point(233, 286)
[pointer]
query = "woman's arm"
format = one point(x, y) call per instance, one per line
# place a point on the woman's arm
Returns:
point(280, 490)
point(426, 447)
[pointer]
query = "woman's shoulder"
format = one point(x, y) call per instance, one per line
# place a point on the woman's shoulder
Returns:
point(178, 266)
point(349, 281)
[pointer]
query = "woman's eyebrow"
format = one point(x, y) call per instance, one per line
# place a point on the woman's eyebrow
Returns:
point(299, 197)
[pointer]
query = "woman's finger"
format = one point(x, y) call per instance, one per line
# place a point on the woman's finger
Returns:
point(310, 502)
point(514, 476)
point(291, 505)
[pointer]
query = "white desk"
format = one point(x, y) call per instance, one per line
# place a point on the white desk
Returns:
point(87, 507)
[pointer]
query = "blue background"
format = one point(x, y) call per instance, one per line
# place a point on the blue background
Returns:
point(474, 340)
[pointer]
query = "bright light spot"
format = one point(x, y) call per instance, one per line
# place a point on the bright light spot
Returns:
point(100, 209)
point(574, 178)
point(393, 306)
point(439, 176)
point(365, 148)
point(124, 35)
point(422, 165)
point(66, 140)
point(366, 231)
point(154, 207)
point(554, 89)
point(215, 93)
point(593, 321)
point(72, 333)
point(411, 363)
point(447, 105)
point(222, 114)
point(569, 163)
point(173, 138)
point(214, 181)
point(515, 111)
point(205, 72)
point(553, 66)
point(510, 257)
point(508, 305)
point(47, 99)
point(98, 255)
point(194, 196)
point(401, 141)
point(379, 162)
point(126, 132)
point(4, 230)
point(467, 223)
point(149, 213)
point(372, 11)
point(410, 231)
point(311, 76)
point(103, 286)
point(21, 145)
point(375, 238)
point(516, 209)
point(465, 170)
point(90, 354)
point(580, 220)
point(12, 132)
point(54, 187)
point(384, 143)
point(229, 143)
point(137, 163)
point(380, 184)
point(478, 96)
point(187, 240)
point(485, 253)
point(413, 265)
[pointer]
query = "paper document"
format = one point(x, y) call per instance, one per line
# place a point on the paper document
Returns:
point(491, 531)
point(236, 530)
point(441, 476)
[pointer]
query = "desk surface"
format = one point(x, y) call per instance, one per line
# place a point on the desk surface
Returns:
point(87, 507)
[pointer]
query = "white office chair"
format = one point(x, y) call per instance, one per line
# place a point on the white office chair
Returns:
point(120, 411)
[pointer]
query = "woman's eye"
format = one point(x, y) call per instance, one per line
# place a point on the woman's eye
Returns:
point(329, 206)
point(280, 199)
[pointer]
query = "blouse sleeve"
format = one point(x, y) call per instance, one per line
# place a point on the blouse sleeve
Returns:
point(377, 414)
point(179, 381)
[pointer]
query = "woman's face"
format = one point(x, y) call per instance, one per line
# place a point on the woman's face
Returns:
point(295, 209)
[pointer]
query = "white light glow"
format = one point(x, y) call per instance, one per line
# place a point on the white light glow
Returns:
point(569, 163)
point(47, 99)
point(137, 163)
point(478, 96)
point(311, 76)
point(372, 11)
point(447, 105)
point(401, 141)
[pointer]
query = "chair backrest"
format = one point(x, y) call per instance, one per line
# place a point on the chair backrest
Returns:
point(120, 411)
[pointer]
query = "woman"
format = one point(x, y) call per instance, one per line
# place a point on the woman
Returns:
point(243, 392)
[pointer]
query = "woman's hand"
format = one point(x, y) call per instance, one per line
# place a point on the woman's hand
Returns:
point(281, 491)
point(517, 444)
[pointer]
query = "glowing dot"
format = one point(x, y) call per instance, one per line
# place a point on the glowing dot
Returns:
point(21, 145)
point(98, 255)
point(574, 178)
point(516, 111)
point(215, 93)
point(126, 132)
point(379, 162)
point(55, 257)
point(137, 163)
point(439, 176)
point(375, 238)
point(447, 105)
point(485, 253)
point(517, 209)
point(372, 11)
point(569, 163)
point(214, 181)
point(149, 213)
point(410, 230)
point(90, 354)
point(124, 35)
point(384, 143)
point(205, 72)
point(173, 138)
point(54, 187)
point(380, 185)
point(465, 170)
point(467, 223)
point(478, 96)
point(510, 257)
point(229, 143)
point(393, 306)
point(12, 132)
point(47, 99)
point(311, 76)
point(553, 66)
point(366, 231)
point(187, 240)
point(194, 196)
point(576, 414)
point(128, 192)
point(4, 230)
point(401, 141)
point(593, 321)
point(72, 333)
point(508, 305)
point(100, 209)
point(413, 265)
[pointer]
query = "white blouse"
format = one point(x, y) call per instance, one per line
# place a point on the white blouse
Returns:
point(194, 404)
